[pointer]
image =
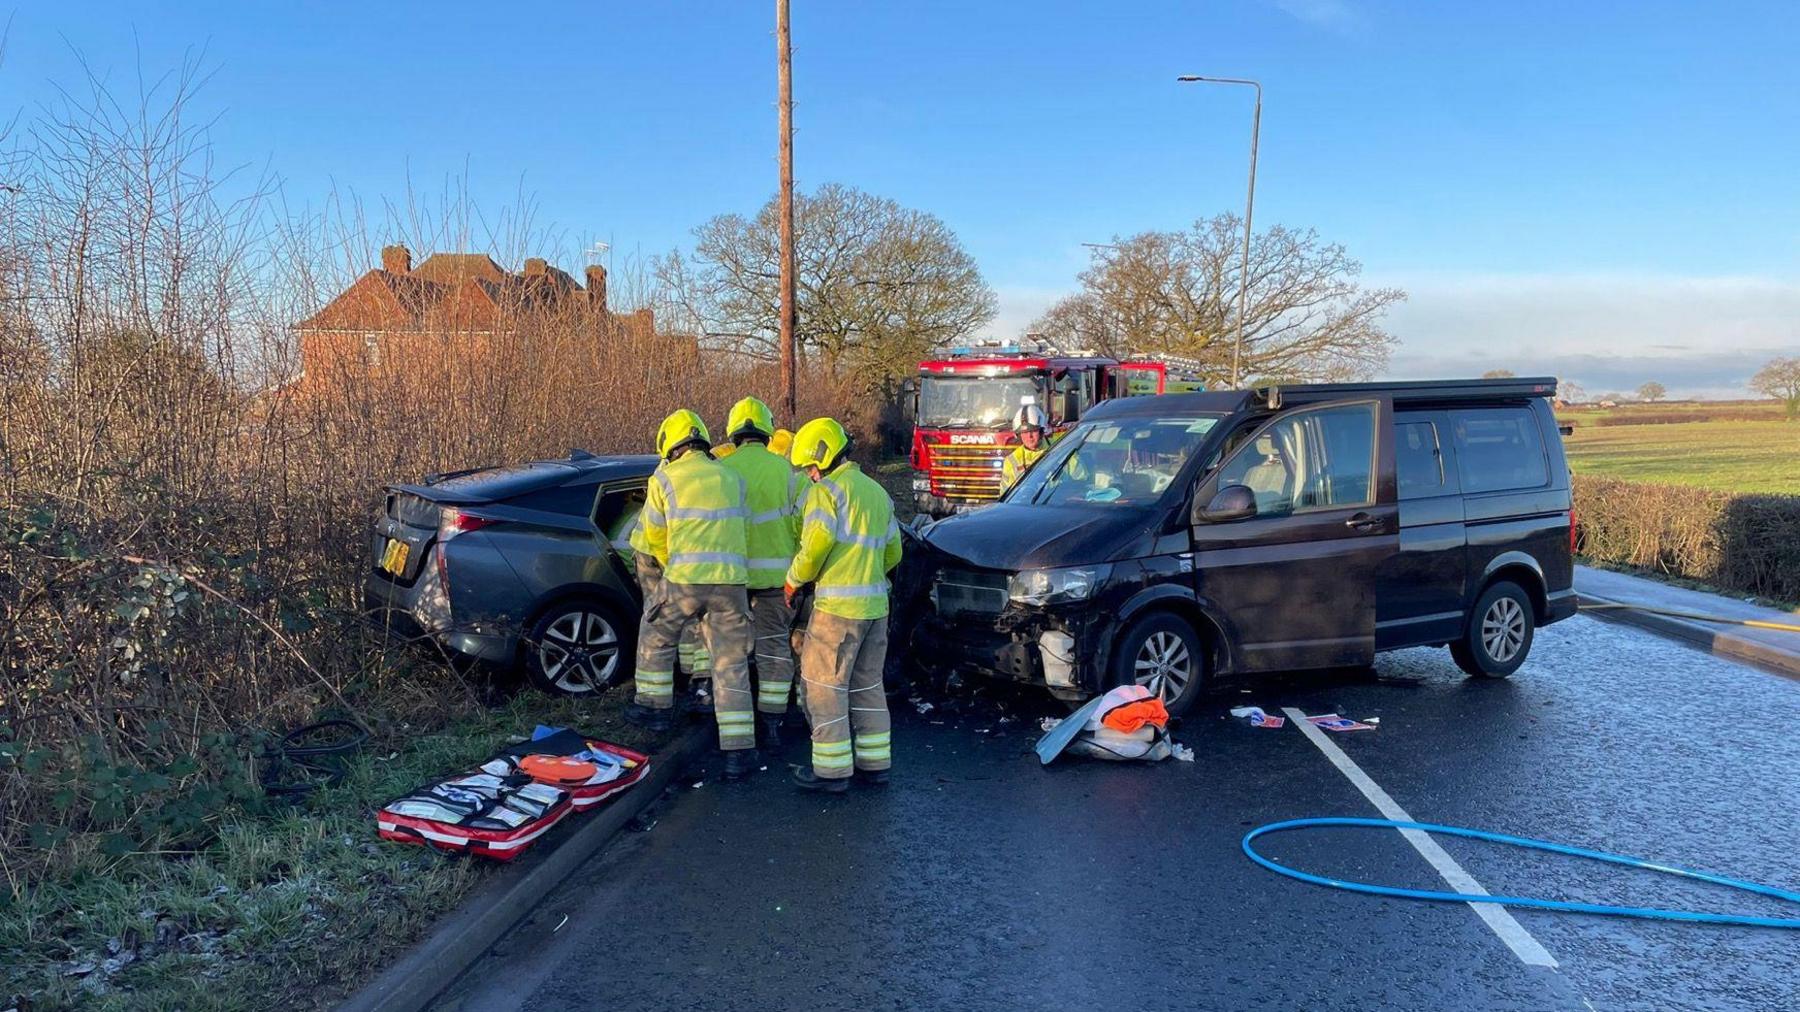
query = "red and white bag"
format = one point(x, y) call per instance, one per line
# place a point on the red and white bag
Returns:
point(589, 769)
point(477, 812)
point(502, 807)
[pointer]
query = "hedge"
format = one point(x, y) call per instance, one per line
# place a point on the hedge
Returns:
point(1742, 542)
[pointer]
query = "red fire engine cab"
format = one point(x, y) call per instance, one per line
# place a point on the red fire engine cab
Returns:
point(963, 406)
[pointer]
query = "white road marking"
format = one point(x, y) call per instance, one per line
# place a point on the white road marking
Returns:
point(1497, 918)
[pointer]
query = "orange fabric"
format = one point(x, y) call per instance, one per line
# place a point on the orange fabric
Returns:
point(1131, 716)
point(558, 769)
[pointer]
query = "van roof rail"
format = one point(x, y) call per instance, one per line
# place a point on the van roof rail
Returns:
point(1415, 390)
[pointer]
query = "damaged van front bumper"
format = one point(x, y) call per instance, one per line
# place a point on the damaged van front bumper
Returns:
point(1056, 646)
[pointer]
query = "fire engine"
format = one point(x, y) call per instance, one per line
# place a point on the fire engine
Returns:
point(963, 405)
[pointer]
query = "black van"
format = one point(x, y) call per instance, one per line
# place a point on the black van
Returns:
point(1178, 539)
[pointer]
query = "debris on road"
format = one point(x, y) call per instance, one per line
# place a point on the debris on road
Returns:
point(1181, 752)
point(1333, 722)
point(1098, 729)
point(1257, 717)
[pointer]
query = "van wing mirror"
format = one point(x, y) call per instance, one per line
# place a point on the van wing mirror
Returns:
point(1233, 502)
point(1071, 406)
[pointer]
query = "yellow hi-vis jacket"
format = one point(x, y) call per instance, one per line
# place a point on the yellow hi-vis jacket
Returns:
point(1019, 461)
point(694, 522)
point(774, 493)
point(848, 543)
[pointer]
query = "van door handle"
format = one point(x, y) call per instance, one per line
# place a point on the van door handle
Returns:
point(1362, 522)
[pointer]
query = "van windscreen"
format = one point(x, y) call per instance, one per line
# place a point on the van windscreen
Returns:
point(1124, 461)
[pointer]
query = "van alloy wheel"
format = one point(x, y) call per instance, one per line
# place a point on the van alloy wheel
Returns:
point(579, 652)
point(1164, 665)
point(1503, 629)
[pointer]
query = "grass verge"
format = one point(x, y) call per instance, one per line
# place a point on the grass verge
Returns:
point(292, 910)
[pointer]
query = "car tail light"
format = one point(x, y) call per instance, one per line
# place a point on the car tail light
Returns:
point(456, 522)
point(1571, 530)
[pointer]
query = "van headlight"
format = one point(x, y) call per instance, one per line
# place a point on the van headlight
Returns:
point(1052, 586)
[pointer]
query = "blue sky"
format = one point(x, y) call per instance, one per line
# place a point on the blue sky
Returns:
point(1610, 191)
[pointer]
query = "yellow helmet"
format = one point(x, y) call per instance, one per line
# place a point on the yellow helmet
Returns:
point(749, 417)
point(820, 443)
point(781, 443)
point(681, 429)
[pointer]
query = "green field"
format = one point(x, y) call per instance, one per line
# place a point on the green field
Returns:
point(1735, 454)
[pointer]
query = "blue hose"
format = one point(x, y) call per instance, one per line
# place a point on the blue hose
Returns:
point(1651, 913)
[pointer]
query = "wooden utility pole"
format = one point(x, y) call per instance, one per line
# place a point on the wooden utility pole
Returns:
point(785, 63)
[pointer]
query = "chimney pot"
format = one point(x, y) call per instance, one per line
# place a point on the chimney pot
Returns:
point(535, 266)
point(596, 284)
point(396, 259)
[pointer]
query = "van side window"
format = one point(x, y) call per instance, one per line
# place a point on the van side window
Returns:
point(1418, 460)
point(1498, 449)
point(1317, 459)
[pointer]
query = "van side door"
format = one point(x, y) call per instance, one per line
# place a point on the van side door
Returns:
point(1290, 534)
point(1419, 597)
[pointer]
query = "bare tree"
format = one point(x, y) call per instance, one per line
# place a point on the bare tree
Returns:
point(1780, 378)
point(1177, 293)
point(1497, 374)
point(880, 285)
point(1652, 392)
point(1570, 392)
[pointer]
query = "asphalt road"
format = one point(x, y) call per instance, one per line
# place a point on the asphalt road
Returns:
point(978, 879)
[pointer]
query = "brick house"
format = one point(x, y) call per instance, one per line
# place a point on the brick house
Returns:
point(453, 312)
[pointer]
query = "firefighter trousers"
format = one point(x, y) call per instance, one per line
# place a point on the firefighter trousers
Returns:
point(842, 669)
point(721, 612)
point(694, 660)
point(772, 619)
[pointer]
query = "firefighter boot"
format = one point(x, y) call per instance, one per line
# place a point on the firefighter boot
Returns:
point(807, 780)
point(740, 763)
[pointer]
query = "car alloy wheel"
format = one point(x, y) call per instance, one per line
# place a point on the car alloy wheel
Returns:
point(578, 652)
point(1503, 629)
point(1164, 665)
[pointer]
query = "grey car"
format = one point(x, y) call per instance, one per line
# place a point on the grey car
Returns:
point(515, 565)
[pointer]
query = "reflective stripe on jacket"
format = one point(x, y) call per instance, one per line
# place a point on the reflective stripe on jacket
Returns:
point(694, 522)
point(848, 543)
point(774, 493)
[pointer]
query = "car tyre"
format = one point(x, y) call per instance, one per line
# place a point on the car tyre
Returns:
point(1499, 633)
point(1163, 653)
point(579, 647)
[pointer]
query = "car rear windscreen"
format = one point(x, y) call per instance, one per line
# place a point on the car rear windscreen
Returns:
point(504, 482)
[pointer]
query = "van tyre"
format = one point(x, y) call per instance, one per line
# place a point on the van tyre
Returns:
point(579, 648)
point(1163, 653)
point(1499, 633)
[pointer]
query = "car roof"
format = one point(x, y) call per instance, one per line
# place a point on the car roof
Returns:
point(487, 484)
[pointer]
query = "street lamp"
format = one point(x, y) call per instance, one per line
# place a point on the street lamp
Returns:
point(1237, 350)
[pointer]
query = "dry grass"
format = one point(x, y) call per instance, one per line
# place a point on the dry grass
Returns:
point(182, 520)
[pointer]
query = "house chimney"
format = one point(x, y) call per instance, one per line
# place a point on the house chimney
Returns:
point(535, 266)
point(596, 284)
point(396, 259)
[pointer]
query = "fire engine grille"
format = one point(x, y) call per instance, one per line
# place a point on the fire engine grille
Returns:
point(966, 472)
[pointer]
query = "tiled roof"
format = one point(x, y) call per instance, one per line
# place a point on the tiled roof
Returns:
point(448, 288)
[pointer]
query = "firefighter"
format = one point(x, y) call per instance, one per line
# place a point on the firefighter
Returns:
point(848, 544)
point(774, 490)
point(696, 664)
point(1032, 427)
point(694, 527)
